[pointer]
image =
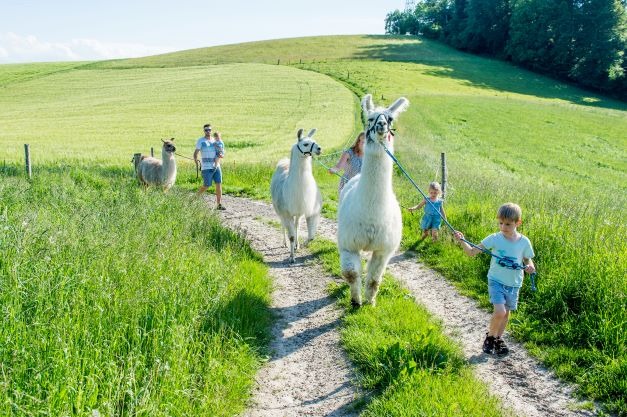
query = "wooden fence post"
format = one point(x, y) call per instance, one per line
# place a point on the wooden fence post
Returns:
point(152, 151)
point(29, 170)
point(444, 174)
point(136, 159)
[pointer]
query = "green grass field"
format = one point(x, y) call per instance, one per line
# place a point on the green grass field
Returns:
point(509, 135)
point(123, 301)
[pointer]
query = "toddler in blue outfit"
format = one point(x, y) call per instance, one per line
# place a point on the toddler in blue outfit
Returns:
point(431, 219)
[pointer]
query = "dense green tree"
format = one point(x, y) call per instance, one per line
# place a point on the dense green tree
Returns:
point(457, 24)
point(580, 40)
point(433, 17)
point(487, 26)
point(541, 35)
point(599, 43)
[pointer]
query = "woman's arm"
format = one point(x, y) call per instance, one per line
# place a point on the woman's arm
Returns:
point(341, 164)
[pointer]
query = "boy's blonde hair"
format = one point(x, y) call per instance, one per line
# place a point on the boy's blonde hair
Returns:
point(436, 186)
point(509, 211)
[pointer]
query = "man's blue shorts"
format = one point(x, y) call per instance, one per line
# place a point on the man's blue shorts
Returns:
point(503, 294)
point(210, 175)
point(430, 222)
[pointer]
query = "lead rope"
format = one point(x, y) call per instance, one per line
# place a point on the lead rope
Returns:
point(504, 262)
point(191, 159)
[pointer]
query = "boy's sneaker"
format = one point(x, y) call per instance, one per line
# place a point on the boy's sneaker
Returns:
point(220, 207)
point(488, 344)
point(499, 347)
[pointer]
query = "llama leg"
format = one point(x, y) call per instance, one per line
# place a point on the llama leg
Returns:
point(291, 234)
point(376, 267)
point(312, 226)
point(296, 223)
point(350, 264)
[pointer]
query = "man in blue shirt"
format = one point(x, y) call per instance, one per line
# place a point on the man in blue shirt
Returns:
point(211, 150)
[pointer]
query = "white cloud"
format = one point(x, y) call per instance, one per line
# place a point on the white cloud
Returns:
point(17, 48)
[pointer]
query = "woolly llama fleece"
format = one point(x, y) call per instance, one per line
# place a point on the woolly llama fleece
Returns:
point(152, 171)
point(369, 217)
point(294, 190)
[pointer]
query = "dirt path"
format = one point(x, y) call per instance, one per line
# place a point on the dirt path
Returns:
point(308, 373)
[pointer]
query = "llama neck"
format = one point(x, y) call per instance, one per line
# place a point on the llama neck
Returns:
point(376, 174)
point(299, 167)
point(168, 164)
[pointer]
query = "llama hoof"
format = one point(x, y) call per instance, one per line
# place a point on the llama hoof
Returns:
point(355, 304)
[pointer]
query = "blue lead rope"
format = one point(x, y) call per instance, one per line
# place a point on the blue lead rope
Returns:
point(504, 262)
point(341, 176)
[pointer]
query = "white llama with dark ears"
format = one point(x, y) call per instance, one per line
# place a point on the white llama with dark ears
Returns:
point(369, 217)
point(152, 171)
point(295, 192)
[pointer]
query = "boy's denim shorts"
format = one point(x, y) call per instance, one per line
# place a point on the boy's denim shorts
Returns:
point(430, 222)
point(210, 175)
point(503, 294)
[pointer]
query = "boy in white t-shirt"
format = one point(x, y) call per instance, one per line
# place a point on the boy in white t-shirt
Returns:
point(503, 283)
point(211, 150)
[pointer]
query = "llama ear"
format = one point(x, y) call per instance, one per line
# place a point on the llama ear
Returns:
point(162, 140)
point(366, 103)
point(312, 132)
point(172, 139)
point(299, 135)
point(398, 106)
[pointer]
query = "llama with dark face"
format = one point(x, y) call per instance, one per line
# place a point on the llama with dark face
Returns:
point(294, 190)
point(152, 171)
point(369, 217)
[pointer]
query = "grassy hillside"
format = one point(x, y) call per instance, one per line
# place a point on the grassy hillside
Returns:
point(509, 134)
point(107, 115)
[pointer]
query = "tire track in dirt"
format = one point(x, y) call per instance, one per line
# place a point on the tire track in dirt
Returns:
point(308, 373)
point(521, 382)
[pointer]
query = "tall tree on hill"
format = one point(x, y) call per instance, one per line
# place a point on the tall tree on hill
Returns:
point(400, 23)
point(599, 43)
point(542, 35)
point(487, 26)
point(457, 24)
point(433, 18)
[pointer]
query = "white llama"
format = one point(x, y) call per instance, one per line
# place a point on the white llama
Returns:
point(369, 217)
point(152, 171)
point(295, 192)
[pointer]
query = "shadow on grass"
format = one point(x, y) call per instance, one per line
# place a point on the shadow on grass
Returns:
point(480, 72)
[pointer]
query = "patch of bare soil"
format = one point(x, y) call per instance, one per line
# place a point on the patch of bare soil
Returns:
point(309, 374)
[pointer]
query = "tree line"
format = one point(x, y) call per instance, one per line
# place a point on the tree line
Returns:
point(584, 41)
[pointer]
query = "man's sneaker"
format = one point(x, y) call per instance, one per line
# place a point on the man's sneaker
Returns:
point(220, 207)
point(499, 347)
point(488, 344)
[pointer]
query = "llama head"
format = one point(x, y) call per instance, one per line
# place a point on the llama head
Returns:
point(379, 119)
point(306, 145)
point(168, 145)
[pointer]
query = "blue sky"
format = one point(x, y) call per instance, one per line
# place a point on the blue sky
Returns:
point(69, 30)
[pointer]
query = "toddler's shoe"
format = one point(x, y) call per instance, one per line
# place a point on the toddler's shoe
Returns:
point(499, 347)
point(488, 344)
point(221, 207)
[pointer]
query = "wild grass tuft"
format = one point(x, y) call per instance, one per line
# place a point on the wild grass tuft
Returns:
point(124, 301)
point(403, 359)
